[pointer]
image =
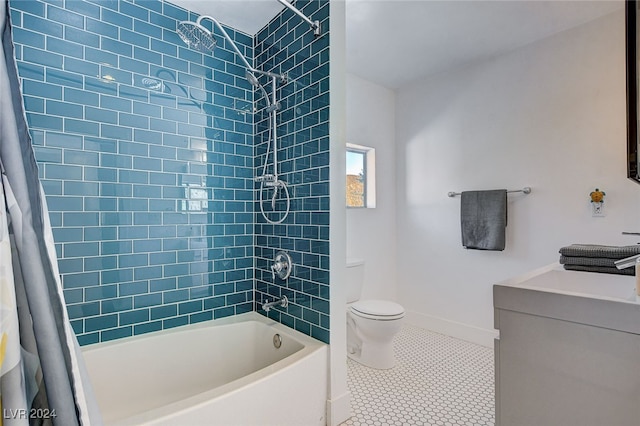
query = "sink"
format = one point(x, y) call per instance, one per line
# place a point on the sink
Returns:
point(554, 278)
point(602, 300)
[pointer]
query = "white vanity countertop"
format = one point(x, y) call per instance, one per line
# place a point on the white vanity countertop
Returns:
point(554, 278)
point(602, 300)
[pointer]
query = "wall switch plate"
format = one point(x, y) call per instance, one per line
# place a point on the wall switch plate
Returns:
point(597, 209)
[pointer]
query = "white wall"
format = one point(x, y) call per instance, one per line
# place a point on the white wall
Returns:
point(550, 115)
point(371, 233)
point(339, 397)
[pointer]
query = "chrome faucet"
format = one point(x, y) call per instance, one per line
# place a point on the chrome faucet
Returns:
point(284, 302)
point(627, 262)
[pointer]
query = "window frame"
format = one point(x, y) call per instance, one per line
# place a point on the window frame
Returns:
point(368, 170)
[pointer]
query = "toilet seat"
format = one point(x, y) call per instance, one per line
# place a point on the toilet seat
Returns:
point(381, 310)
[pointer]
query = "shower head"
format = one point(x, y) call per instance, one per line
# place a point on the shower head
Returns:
point(196, 36)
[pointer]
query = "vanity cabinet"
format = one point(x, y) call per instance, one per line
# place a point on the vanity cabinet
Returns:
point(567, 354)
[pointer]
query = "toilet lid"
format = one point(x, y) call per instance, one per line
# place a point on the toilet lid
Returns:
point(378, 309)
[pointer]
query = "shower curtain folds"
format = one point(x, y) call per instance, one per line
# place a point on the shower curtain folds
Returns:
point(42, 378)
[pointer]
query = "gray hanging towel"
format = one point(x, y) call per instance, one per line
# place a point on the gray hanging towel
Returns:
point(483, 218)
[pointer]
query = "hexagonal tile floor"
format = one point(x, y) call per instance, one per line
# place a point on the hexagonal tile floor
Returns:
point(438, 380)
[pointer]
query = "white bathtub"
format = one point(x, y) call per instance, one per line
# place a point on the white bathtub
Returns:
point(222, 372)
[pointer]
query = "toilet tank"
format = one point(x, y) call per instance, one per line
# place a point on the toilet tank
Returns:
point(355, 279)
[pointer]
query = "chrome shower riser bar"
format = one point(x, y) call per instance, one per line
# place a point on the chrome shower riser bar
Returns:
point(274, 126)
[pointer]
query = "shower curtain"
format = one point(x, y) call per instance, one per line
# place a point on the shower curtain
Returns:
point(42, 376)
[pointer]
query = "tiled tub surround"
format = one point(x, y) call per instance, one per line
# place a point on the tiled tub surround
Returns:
point(145, 150)
point(287, 45)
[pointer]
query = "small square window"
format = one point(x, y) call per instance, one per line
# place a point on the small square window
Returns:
point(360, 176)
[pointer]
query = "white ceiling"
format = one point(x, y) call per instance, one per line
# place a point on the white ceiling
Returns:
point(396, 42)
point(248, 16)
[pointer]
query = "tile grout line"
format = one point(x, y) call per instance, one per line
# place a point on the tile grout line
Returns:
point(438, 380)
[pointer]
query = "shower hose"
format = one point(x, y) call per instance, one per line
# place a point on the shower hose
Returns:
point(277, 184)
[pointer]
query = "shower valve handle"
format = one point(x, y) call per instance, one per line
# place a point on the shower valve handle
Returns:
point(276, 268)
point(282, 266)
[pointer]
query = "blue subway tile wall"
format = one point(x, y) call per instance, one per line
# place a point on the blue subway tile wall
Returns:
point(145, 150)
point(287, 45)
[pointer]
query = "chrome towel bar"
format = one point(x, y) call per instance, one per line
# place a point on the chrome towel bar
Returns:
point(526, 190)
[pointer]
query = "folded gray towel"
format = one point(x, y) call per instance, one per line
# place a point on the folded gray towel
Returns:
point(601, 269)
point(483, 219)
point(588, 261)
point(594, 250)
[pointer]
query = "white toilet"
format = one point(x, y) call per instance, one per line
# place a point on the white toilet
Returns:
point(371, 324)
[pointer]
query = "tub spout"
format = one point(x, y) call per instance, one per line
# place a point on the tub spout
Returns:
point(284, 302)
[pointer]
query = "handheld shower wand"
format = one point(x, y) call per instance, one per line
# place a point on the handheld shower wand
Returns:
point(273, 197)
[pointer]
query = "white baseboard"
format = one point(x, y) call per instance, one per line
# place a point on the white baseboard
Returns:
point(477, 335)
point(339, 409)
